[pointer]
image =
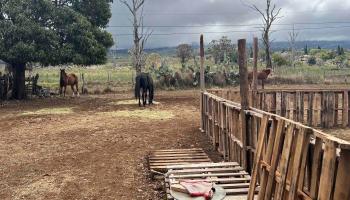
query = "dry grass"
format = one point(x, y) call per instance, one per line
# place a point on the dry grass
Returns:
point(49, 111)
point(143, 114)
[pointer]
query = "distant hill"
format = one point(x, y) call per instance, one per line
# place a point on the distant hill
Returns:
point(276, 46)
point(312, 44)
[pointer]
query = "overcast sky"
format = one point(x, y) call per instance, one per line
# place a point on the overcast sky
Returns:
point(313, 19)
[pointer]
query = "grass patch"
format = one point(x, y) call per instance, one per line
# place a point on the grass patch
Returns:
point(143, 114)
point(49, 111)
point(128, 102)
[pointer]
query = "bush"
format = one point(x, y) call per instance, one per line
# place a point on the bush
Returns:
point(312, 60)
point(97, 91)
point(279, 60)
point(327, 55)
point(107, 90)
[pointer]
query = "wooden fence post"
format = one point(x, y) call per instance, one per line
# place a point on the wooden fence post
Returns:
point(202, 79)
point(255, 72)
point(244, 90)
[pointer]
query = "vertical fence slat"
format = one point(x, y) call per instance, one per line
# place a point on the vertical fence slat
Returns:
point(327, 173)
point(336, 109)
point(276, 151)
point(299, 160)
point(267, 158)
point(311, 108)
point(316, 168)
point(345, 108)
point(255, 168)
point(342, 186)
point(284, 161)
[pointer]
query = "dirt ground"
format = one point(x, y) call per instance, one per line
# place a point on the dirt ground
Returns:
point(89, 148)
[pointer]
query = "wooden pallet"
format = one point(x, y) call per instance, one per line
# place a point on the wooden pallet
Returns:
point(230, 176)
point(159, 160)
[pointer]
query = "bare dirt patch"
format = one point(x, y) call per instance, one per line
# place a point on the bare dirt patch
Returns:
point(88, 154)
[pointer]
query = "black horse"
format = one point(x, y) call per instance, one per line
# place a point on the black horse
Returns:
point(144, 84)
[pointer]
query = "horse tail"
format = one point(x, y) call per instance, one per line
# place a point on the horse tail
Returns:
point(137, 87)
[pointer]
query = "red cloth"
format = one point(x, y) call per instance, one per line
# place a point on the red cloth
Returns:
point(198, 188)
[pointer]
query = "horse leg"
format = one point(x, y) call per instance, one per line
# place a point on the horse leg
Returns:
point(146, 98)
point(143, 97)
point(60, 90)
point(72, 86)
point(64, 91)
point(262, 83)
point(77, 87)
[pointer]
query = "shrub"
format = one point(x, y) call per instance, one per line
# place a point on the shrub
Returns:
point(312, 60)
point(279, 60)
point(97, 91)
point(327, 55)
point(107, 90)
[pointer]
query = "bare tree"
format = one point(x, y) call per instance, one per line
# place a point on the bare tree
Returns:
point(292, 39)
point(140, 36)
point(269, 15)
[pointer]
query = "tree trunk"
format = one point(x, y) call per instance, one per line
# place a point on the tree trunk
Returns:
point(267, 50)
point(18, 91)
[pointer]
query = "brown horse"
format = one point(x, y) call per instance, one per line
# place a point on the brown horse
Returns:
point(262, 75)
point(68, 79)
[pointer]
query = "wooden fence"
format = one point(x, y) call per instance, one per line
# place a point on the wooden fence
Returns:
point(286, 159)
point(316, 108)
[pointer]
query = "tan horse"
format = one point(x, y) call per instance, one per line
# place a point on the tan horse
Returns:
point(262, 75)
point(68, 79)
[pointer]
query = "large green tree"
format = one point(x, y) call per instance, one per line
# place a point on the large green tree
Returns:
point(52, 33)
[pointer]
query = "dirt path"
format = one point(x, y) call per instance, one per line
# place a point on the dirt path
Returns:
point(88, 149)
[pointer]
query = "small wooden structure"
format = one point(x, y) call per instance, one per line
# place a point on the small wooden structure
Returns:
point(229, 176)
point(159, 160)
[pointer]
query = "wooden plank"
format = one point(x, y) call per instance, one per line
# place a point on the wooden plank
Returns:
point(328, 171)
point(204, 165)
point(226, 180)
point(174, 156)
point(178, 150)
point(276, 152)
point(342, 186)
point(178, 155)
point(180, 160)
point(311, 109)
point(267, 158)
point(233, 185)
point(211, 170)
point(336, 109)
point(302, 108)
point(190, 176)
point(283, 104)
point(283, 167)
point(298, 169)
point(262, 135)
point(345, 109)
point(177, 158)
point(316, 168)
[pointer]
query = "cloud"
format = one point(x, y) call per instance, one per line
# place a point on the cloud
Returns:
point(194, 13)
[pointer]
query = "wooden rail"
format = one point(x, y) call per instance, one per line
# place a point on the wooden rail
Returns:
point(314, 107)
point(287, 159)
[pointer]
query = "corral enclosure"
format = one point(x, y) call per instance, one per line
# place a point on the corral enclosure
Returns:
point(288, 160)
